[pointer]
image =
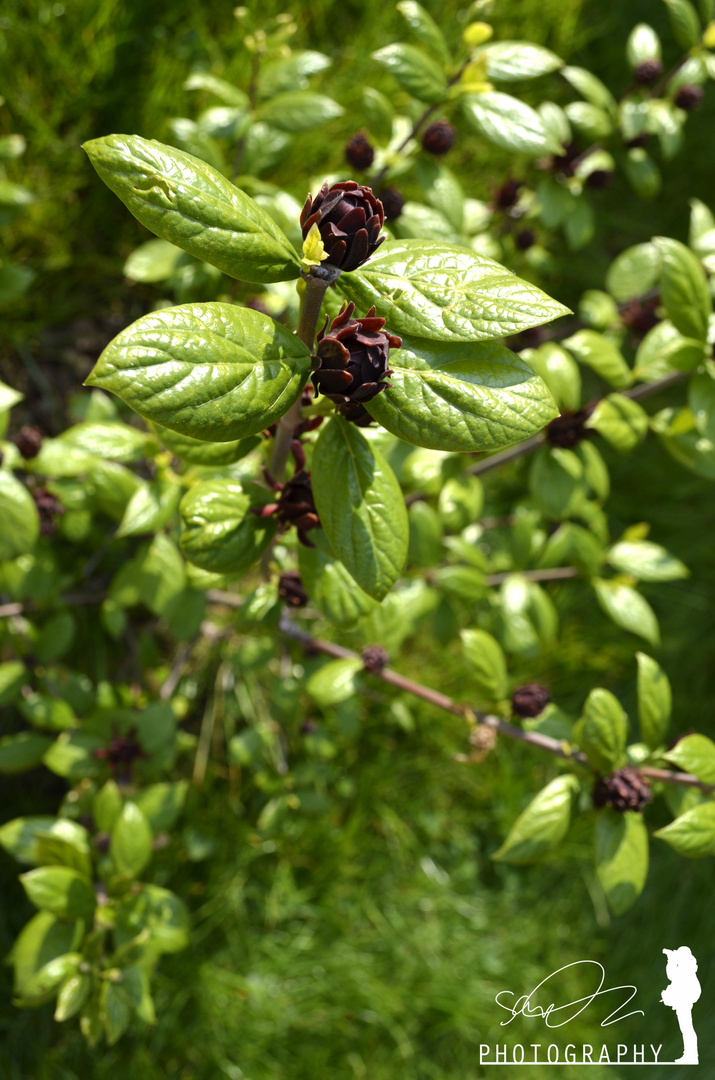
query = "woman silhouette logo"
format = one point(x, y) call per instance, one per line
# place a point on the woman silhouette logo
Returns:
point(680, 995)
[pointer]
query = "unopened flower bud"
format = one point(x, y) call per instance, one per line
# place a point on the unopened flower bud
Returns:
point(359, 153)
point(349, 219)
point(569, 429)
point(648, 72)
point(623, 790)
point(689, 97)
point(525, 239)
point(29, 441)
point(530, 700)
point(353, 355)
point(290, 589)
point(375, 659)
point(392, 201)
point(439, 137)
point(507, 194)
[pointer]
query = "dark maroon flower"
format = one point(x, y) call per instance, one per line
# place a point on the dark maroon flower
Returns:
point(349, 219)
point(439, 137)
point(359, 152)
point(599, 178)
point(623, 790)
point(564, 163)
point(569, 429)
point(29, 441)
point(392, 201)
point(530, 699)
point(506, 195)
point(648, 72)
point(295, 505)
point(353, 356)
point(525, 239)
point(48, 507)
point(689, 97)
point(290, 589)
point(375, 659)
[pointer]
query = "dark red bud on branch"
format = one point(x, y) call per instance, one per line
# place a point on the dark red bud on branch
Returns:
point(439, 137)
point(648, 72)
point(623, 790)
point(290, 589)
point(689, 97)
point(359, 152)
point(29, 441)
point(530, 700)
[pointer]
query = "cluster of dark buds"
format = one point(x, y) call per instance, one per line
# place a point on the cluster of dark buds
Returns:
point(648, 72)
point(439, 137)
point(352, 357)
point(530, 700)
point(290, 589)
point(48, 508)
point(623, 790)
point(689, 97)
point(359, 152)
point(349, 219)
point(392, 201)
point(375, 659)
point(569, 429)
point(295, 504)
point(29, 441)
point(120, 753)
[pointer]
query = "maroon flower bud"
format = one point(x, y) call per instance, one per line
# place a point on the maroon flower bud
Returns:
point(48, 507)
point(525, 239)
point(640, 316)
point(359, 152)
point(375, 659)
point(623, 790)
point(689, 97)
point(353, 356)
point(290, 589)
point(638, 141)
point(530, 699)
point(120, 753)
point(569, 429)
point(349, 219)
point(507, 194)
point(101, 842)
point(392, 202)
point(599, 178)
point(439, 137)
point(29, 441)
point(648, 72)
point(564, 163)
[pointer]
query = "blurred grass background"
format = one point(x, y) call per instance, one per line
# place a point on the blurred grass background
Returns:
point(367, 940)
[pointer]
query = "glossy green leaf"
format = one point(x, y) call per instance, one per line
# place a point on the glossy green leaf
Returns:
point(131, 840)
point(153, 261)
point(694, 754)
point(13, 675)
point(44, 983)
point(226, 91)
point(425, 29)
point(486, 667)
point(426, 289)
point(542, 825)
point(208, 371)
point(684, 22)
point(559, 371)
point(701, 235)
point(684, 288)
point(589, 87)
point(299, 110)
point(150, 508)
point(291, 73)
point(460, 502)
point(43, 939)
point(621, 852)
point(378, 113)
point(454, 396)
point(654, 700)
point(600, 353)
point(157, 911)
point(107, 806)
point(634, 272)
point(221, 533)
point(692, 833)
point(115, 1011)
point(555, 122)
point(664, 350)
point(443, 192)
point(627, 608)
point(510, 61)
point(72, 755)
point(330, 587)
point(19, 521)
point(200, 452)
point(642, 172)
point(643, 44)
point(415, 71)
point(367, 526)
point(184, 200)
point(161, 804)
point(677, 431)
point(334, 682)
point(646, 560)
point(461, 583)
point(506, 121)
point(597, 309)
point(602, 730)
point(8, 397)
point(572, 545)
point(153, 577)
point(60, 890)
point(22, 751)
point(72, 996)
point(701, 399)
point(622, 422)
point(557, 481)
point(425, 542)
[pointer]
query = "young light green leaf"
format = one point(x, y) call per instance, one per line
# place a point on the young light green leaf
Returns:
point(425, 29)
point(506, 121)
point(213, 372)
point(602, 730)
point(486, 667)
point(150, 508)
point(367, 526)
point(20, 836)
point(220, 88)
point(334, 682)
point(161, 804)
point(510, 61)
point(627, 608)
point(633, 272)
point(600, 353)
point(426, 289)
point(107, 806)
point(44, 983)
point(8, 397)
point(684, 22)
point(589, 120)
point(621, 851)
point(221, 533)
point(19, 521)
point(664, 350)
point(454, 396)
point(113, 441)
point(654, 700)
point(646, 560)
point(589, 87)
point(153, 261)
point(415, 71)
point(291, 73)
point(684, 288)
point(642, 172)
point(701, 399)
point(61, 891)
point(72, 996)
point(543, 824)
point(557, 481)
point(329, 585)
point(131, 840)
point(299, 110)
point(184, 200)
point(694, 754)
point(559, 371)
point(460, 502)
point(643, 45)
point(693, 833)
point(622, 422)
point(701, 235)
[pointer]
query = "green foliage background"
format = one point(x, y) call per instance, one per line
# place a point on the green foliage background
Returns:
point(369, 939)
